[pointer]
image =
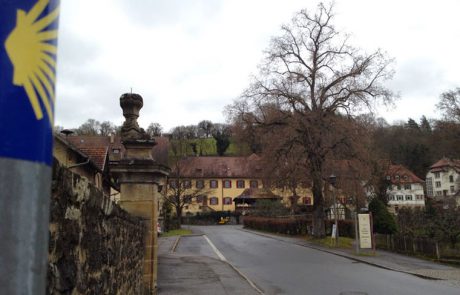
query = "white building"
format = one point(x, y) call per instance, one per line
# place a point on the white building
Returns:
point(405, 189)
point(443, 179)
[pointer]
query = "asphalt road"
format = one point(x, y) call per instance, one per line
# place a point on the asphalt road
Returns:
point(278, 267)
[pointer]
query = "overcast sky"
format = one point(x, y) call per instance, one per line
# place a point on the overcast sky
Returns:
point(188, 59)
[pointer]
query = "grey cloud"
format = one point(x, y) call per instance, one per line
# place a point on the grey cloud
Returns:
point(418, 77)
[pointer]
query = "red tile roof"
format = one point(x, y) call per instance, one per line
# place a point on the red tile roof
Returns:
point(257, 193)
point(95, 147)
point(446, 162)
point(96, 144)
point(404, 175)
point(218, 167)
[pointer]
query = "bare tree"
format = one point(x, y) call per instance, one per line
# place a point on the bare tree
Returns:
point(90, 127)
point(205, 127)
point(450, 104)
point(106, 128)
point(310, 75)
point(154, 130)
point(180, 189)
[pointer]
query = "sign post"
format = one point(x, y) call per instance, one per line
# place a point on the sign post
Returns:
point(28, 47)
point(365, 232)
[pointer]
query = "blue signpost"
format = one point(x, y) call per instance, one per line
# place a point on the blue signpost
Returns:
point(28, 48)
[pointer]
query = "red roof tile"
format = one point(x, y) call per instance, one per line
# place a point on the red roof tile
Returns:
point(404, 175)
point(218, 167)
point(110, 144)
point(446, 162)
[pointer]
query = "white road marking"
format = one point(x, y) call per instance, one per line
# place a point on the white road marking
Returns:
point(221, 257)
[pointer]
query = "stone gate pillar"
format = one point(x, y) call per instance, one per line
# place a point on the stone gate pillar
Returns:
point(140, 178)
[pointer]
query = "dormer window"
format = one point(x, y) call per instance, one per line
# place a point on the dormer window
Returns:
point(388, 177)
point(405, 177)
point(397, 177)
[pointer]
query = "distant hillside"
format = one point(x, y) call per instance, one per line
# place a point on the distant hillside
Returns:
point(206, 147)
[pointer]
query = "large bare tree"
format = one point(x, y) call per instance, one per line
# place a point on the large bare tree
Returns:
point(310, 81)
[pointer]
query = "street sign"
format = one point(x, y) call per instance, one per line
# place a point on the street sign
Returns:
point(28, 48)
point(365, 233)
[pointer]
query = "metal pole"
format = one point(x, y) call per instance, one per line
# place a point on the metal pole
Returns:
point(355, 219)
point(336, 218)
point(26, 137)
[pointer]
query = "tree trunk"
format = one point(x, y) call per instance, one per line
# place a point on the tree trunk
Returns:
point(179, 215)
point(319, 230)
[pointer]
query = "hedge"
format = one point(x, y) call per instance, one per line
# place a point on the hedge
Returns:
point(289, 226)
point(295, 225)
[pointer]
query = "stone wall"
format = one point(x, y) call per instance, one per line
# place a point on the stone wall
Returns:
point(95, 247)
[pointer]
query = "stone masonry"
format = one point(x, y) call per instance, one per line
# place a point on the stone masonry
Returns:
point(95, 246)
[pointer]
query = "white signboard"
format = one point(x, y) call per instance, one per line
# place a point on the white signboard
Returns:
point(365, 233)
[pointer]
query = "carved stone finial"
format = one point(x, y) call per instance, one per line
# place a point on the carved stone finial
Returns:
point(131, 103)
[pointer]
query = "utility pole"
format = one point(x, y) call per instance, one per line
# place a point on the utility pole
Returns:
point(332, 181)
point(26, 136)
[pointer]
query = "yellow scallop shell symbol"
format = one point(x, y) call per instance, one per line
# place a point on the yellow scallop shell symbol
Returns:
point(33, 57)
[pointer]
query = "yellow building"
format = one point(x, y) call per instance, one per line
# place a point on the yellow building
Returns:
point(212, 183)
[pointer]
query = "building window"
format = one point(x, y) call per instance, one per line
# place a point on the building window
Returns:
point(227, 183)
point(407, 186)
point(419, 197)
point(391, 198)
point(438, 193)
point(437, 174)
point(408, 197)
point(451, 178)
point(400, 197)
point(173, 183)
point(307, 200)
point(116, 151)
point(240, 183)
point(429, 186)
point(227, 201)
point(452, 189)
point(388, 177)
point(397, 177)
point(199, 199)
point(199, 184)
point(405, 177)
point(213, 183)
point(438, 184)
point(398, 187)
point(187, 184)
point(213, 201)
point(253, 184)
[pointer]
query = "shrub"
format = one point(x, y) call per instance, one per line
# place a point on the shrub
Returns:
point(384, 223)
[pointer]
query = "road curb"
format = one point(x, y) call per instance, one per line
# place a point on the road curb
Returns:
point(173, 248)
point(342, 255)
point(253, 285)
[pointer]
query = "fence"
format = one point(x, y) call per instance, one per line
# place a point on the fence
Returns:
point(417, 246)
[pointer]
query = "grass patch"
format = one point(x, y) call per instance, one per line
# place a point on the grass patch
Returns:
point(176, 232)
point(344, 242)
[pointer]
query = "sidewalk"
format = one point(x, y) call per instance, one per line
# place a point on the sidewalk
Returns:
point(383, 259)
point(187, 274)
